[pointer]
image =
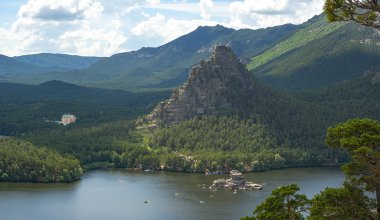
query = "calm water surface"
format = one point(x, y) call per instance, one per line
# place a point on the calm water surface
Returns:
point(117, 194)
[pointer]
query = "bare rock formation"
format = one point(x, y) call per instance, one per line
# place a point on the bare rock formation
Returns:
point(220, 84)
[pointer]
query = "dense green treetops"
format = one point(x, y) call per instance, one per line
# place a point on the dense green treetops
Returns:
point(348, 202)
point(22, 161)
point(361, 139)
point(284, 203)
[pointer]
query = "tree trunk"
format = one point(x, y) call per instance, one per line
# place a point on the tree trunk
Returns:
point(378, 202)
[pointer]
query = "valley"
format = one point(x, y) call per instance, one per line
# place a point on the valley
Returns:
point(283, 104)
point(254, 129)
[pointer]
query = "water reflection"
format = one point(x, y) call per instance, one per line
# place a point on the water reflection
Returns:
point(117, 194)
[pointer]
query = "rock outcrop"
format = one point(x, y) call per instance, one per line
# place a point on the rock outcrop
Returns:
point(220, 84)
point(236, 181)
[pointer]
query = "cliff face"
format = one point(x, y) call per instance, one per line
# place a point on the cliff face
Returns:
point(220, 84)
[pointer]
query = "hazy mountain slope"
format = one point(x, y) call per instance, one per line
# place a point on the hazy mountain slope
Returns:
point(10, 66)
point(64, 61)
point(38, 68)
point(318, 55)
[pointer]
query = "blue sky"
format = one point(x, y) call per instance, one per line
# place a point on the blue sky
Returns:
point(106, 27)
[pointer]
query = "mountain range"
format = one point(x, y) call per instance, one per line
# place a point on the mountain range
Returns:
point(154, 68)
point(300, 80)
point(29, 68)
point(289, 57)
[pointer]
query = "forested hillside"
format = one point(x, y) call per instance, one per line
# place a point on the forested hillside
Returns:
point(359, 97)
point(22, 161)
point(279, 132)
point(26, 108)
point(319, 55)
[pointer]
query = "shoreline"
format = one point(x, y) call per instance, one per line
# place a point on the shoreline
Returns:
point(130, 170)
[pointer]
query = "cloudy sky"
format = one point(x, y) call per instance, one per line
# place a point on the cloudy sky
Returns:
point(106, 27)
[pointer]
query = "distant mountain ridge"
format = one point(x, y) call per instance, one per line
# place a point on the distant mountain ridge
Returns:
point(166, 66)
point(289, 57)
point(64, 61)
point(32, 68)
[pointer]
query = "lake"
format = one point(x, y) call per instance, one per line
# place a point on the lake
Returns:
point(118, 194)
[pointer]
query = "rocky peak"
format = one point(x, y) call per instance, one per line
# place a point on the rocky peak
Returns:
point(218, 85)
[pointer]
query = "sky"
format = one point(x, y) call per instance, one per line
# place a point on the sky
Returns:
point(106, 27)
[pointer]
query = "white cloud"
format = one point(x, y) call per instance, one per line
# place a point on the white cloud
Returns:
point(236, 14)
point(153, 2)
point(265, 13)
point(57, 10)
point(103, 27)
point(70, 26)
point(90, 41)
point(206, 7)
point(165, 29)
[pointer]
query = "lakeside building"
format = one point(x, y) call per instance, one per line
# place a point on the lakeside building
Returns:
point(68, 119)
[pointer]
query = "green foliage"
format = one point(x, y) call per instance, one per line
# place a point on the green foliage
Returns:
point(114, 144)
point(364, 12)
point(217, 133)
point(283, 204)
point(22, 161)
point(102, 144)
point(361, 138)
point(231, 142)
point(347, 202)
